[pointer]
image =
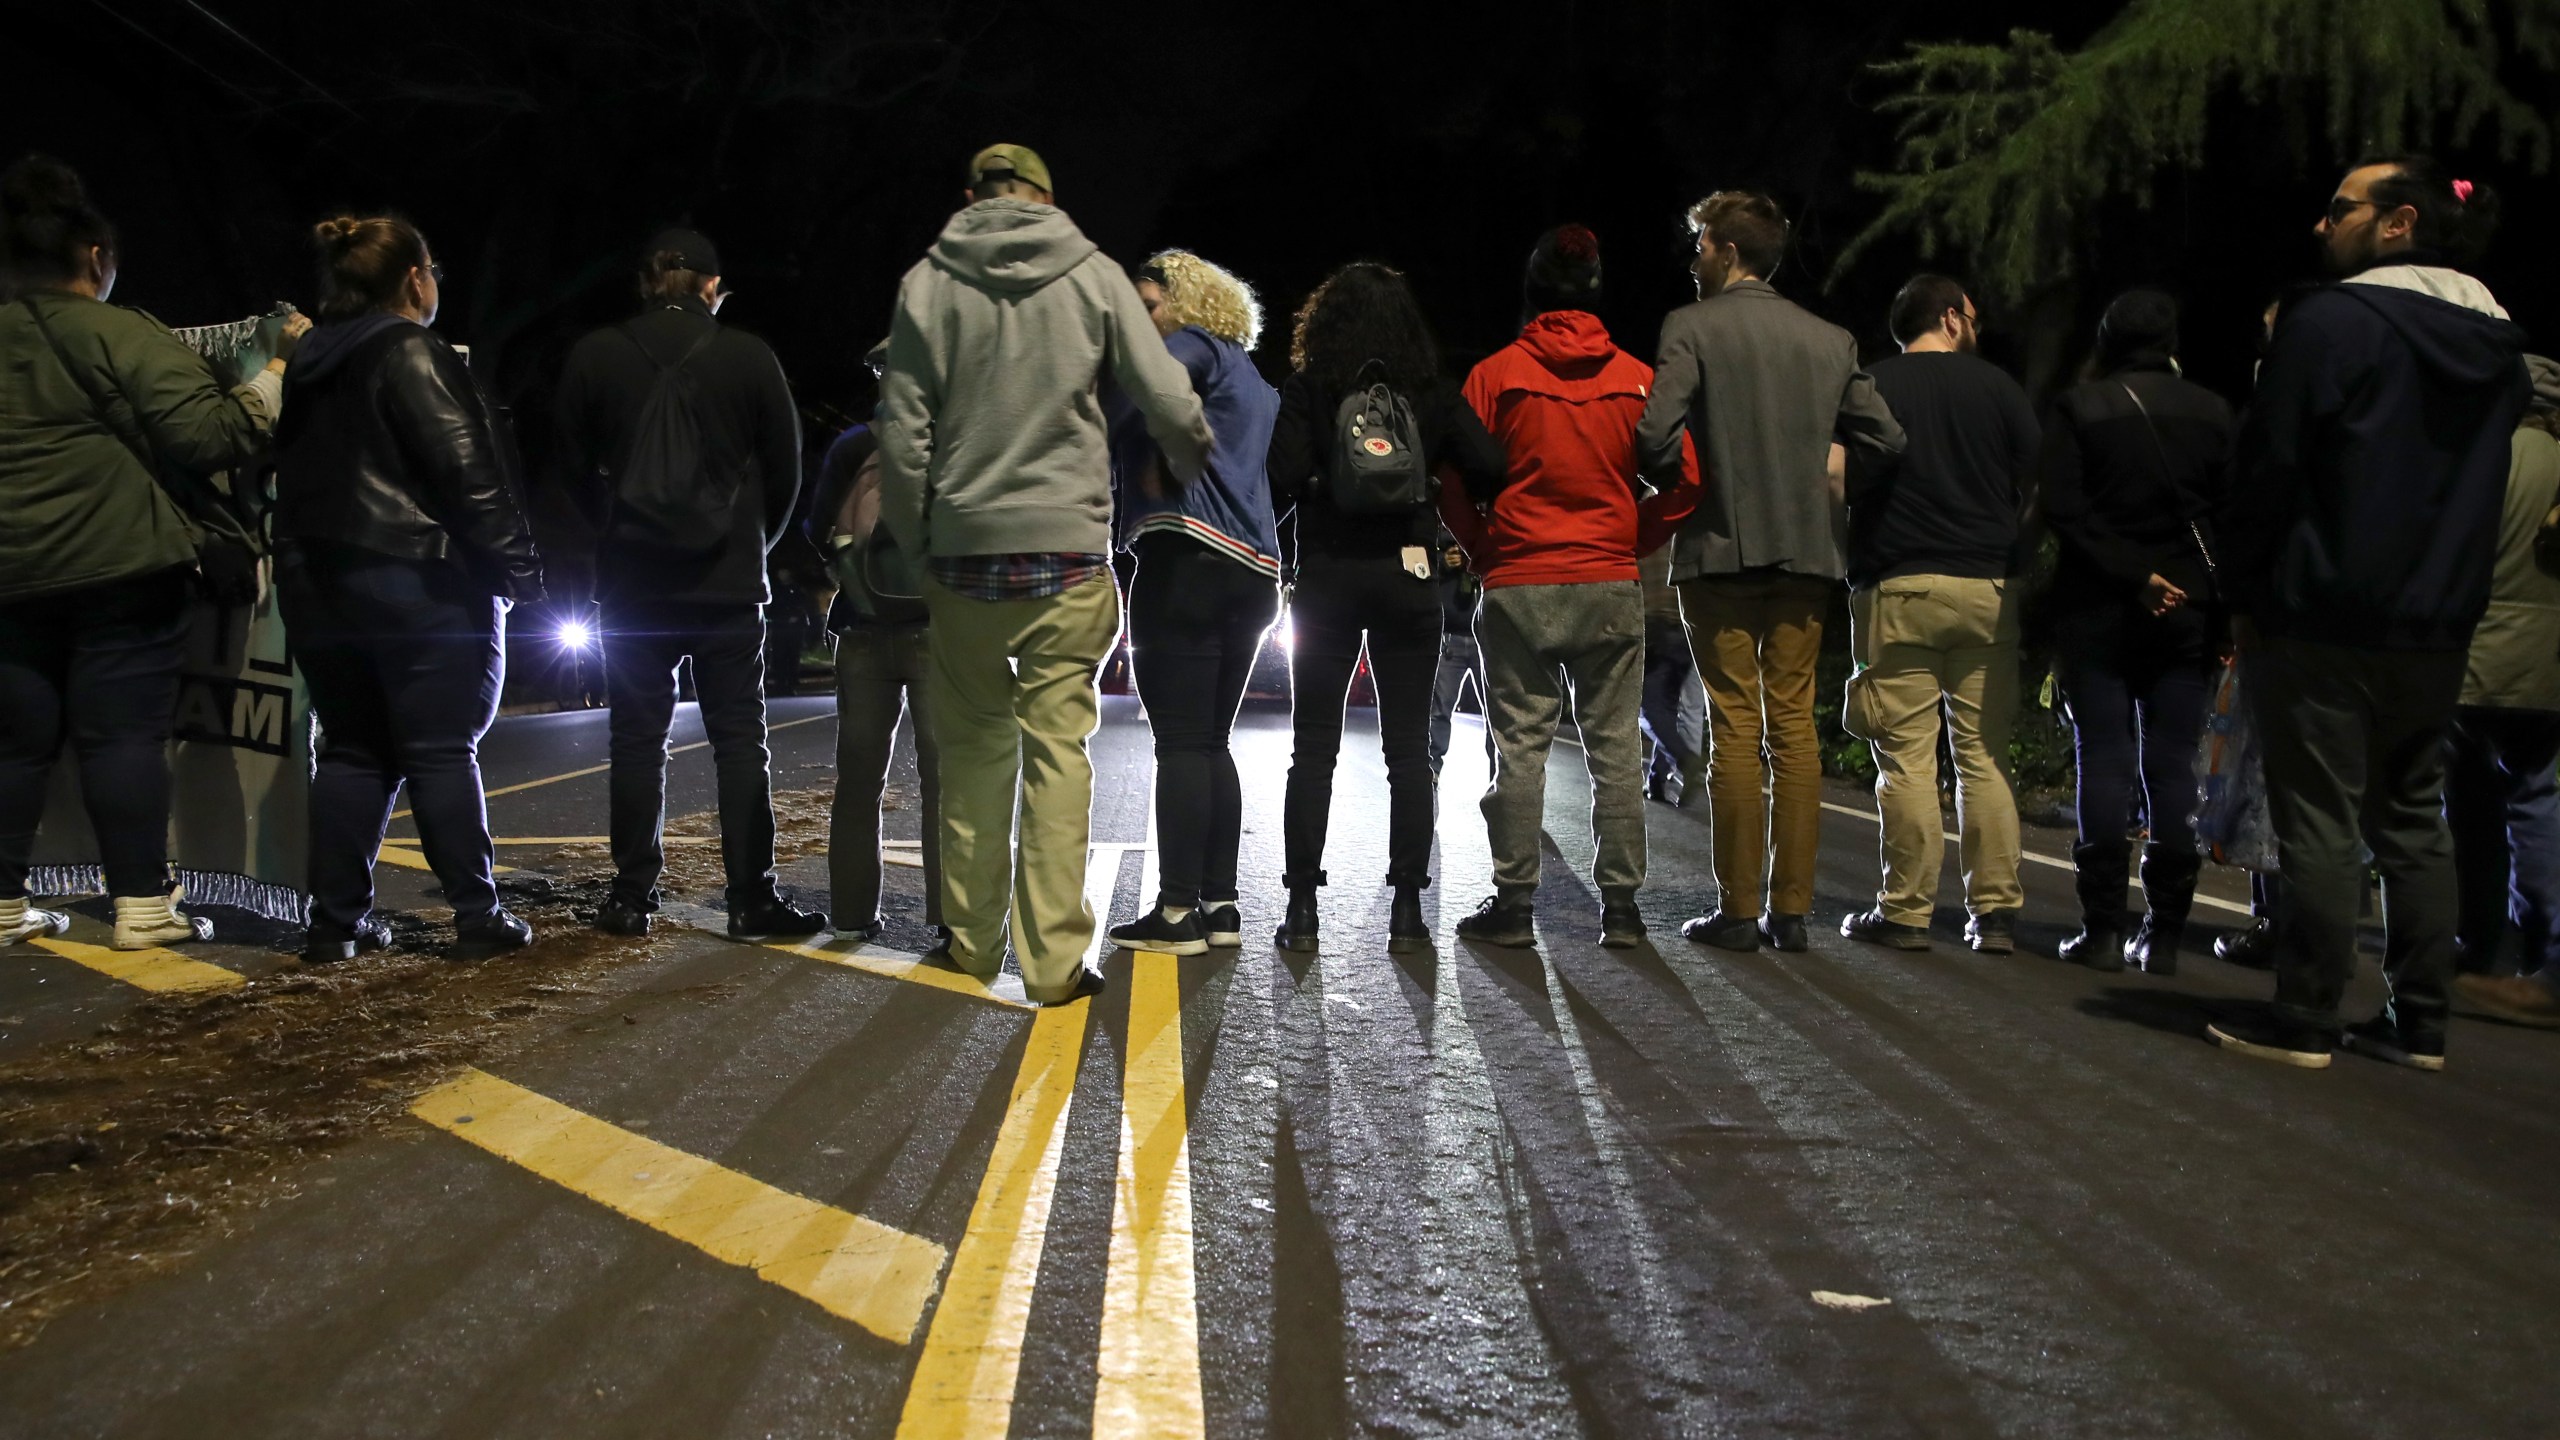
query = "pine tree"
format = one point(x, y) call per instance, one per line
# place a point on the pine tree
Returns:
point(2008, 151)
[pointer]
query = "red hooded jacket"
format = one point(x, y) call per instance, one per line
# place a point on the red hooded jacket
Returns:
point(1564, 400)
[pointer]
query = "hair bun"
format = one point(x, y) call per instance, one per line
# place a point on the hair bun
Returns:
point(338, 231)
point(40, 184)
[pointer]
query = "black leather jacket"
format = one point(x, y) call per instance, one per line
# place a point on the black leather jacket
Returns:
point(387, 445)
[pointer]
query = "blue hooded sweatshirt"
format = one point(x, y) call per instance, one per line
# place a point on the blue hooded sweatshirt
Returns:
point(1229, 508)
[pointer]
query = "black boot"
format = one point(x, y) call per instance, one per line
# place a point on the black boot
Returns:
point(1298, 923)
point(2102, 871)
point(2169, 893)
point(1407, 933)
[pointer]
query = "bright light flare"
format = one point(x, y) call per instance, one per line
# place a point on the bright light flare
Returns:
point(576, 635)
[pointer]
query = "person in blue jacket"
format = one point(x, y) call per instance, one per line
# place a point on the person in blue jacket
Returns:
point(1206, 592)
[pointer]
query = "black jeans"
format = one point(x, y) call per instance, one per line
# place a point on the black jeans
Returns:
point(1196, 622)
point(2502, 801)
point(2355, 748)
point(404, 665)
point(1667, 667)
point(1335, 603)
point(642, 643)
point(97, 666)
point(2136, 693)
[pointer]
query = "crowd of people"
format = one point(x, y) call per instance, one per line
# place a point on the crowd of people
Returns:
point(2372, 539)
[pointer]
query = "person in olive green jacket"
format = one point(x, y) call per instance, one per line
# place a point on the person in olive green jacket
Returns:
point(95, 557)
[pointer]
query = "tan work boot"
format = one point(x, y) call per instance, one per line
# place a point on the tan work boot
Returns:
point(146, 921)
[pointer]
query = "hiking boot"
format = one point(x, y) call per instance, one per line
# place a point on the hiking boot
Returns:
point(621, 917)
point(145, 922)
point(2265, 1035)
point(22, 921)
point(1785, 932)
point(2251, 949)
point(1152, 931)
point(2385, 1038)
point(1407, 932)
point(774, 918)
point(1872, 927)
point(493, 934)
point(1621, 924)
point(1993, 932)
point(2517, 999)
point(1223, 925)
point(326, 945)
point(1738, 933)
point(1298, 923)
point(1508, 923)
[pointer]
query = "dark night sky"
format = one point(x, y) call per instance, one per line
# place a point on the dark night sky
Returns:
point(538, 141)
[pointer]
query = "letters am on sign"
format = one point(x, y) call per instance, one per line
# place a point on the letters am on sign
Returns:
point(244, 714)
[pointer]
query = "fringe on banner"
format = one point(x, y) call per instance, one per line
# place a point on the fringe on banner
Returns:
point(203, 887)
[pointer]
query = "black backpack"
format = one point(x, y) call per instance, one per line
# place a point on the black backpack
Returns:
point(665, 493)
point(1377, 467)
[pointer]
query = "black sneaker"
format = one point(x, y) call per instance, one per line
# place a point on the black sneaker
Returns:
point(1872, 927)
point(1739, 933)
point(1993, 932)
point(2268, 1036)
point(322, 945)
point(1223, 925)
point(1621, 924)
point(1512, 925)
point(774, 919)
point(620, 917)
point(1152, 931)
point(865, 932)
point(2253, 948)
point(1785, 933)
point(1089, 983)
point(2383, 1038)
point(495, 934)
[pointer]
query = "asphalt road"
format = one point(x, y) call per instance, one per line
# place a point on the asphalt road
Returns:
point(1485, 1192)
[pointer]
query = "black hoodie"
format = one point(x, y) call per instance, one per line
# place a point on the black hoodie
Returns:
point(2371, 469)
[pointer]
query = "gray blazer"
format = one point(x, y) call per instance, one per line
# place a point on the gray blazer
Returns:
point(1766, 387)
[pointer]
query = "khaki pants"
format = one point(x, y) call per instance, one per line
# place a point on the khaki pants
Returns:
point(1926, 643)
point(1756, 638)
point(1547, 647)
point(1011, 686)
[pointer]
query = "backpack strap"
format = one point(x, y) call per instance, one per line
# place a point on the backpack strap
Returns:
point(632, 335)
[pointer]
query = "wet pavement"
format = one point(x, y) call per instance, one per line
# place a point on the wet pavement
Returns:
point(1486, 1192)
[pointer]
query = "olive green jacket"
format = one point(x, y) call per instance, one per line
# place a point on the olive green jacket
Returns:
point(2515, 654)
point(78, 506)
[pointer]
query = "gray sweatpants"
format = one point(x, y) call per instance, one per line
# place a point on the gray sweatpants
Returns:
point(1547, 646)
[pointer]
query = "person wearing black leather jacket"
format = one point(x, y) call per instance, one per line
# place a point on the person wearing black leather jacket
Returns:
point(402, 539)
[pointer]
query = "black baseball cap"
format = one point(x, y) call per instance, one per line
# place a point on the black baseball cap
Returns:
point(698, 254)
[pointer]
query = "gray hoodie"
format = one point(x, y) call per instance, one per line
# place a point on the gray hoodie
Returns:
point(991, 428)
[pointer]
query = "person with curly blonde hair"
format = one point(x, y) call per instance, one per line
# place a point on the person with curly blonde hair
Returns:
point(1206, 592)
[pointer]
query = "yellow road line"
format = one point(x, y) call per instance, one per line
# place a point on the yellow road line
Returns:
point(963, 1383)
point(400, 853)
point(856, 954)
point(600, 769)
point(861, 1270)
point(162, 971)
point(1149, 1365)
point(2028, 855)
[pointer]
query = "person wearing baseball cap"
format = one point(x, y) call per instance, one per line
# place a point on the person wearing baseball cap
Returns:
point(995, 472)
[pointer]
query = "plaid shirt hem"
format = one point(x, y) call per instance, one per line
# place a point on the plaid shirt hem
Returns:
point(1015, 577)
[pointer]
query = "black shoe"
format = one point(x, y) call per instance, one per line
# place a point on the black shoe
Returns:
point(1495, 922)
point(1089, 983)
point(2267, 1036)
point(1298, 925)
point(2101, 950)
point(1993, 932)
point(866, 932)
point(945, 955)
point(2383, 1038)
point(322, 945)
point(495, 934)
point(1152, 931)
point(1223, 925)
point(1738, 933)
point(1621, 924)
point(619, 917)
point(1785, 933)
point(2153, 950)
point(1871, 926)
point(2251, 949)
point(774, 919)
point(1407, 934)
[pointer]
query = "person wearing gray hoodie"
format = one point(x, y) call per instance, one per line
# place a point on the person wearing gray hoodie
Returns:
point(996, 475)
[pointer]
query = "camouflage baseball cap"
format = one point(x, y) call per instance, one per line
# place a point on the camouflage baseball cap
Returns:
point(1022, 161)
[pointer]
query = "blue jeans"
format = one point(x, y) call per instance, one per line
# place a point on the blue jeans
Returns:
point(2503, 802)
point(404, 664)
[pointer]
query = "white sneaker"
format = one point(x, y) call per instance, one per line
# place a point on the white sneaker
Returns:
point(21, 921)
point(143, 922)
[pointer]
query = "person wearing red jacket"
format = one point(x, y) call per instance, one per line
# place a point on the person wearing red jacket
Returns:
point(1562, 619)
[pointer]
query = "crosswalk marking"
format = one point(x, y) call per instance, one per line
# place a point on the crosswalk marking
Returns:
point(157, 970)
point(1149, 1364)
point(866, 1272)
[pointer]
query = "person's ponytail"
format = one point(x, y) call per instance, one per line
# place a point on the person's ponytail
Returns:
point(2457, 218)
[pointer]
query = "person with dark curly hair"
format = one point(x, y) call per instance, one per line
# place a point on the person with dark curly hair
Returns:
point(1365, 580)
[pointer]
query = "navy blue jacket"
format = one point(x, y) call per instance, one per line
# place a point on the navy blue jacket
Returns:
point(2371, 470)
point(1229, 508)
